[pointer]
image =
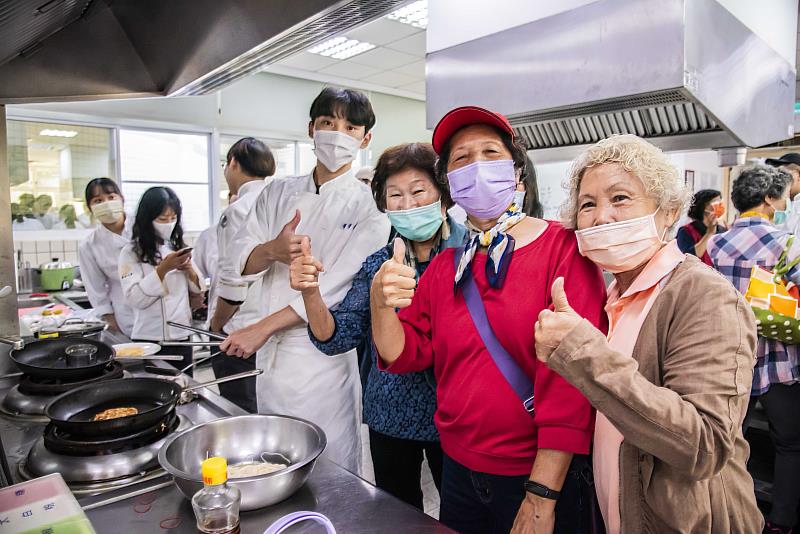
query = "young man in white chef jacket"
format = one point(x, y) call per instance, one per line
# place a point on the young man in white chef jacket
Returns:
point(337, 212)
point(234, 301)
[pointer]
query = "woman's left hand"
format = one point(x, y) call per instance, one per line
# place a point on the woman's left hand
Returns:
point(536, 515)
point(553, 326)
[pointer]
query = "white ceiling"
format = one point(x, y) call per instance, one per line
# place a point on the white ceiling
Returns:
point(395, 66)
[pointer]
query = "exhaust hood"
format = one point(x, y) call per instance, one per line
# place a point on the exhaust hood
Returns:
point(685, 74)
point(59, 50)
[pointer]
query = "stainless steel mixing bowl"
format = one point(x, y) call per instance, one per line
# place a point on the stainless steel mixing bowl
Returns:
point(240, 439)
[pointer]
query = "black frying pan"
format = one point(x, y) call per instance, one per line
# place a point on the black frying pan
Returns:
point(47, 358)
point(74, 410)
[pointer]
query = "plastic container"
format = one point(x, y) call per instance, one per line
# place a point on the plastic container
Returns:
point(51, 319)
point(216, 506)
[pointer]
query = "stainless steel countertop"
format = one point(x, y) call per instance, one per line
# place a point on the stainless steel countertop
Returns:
point(352, 504)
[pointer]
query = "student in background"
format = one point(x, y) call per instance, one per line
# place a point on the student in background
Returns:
point(98, 254)
point(337, 213)
point(157, 272)
point(234, 301)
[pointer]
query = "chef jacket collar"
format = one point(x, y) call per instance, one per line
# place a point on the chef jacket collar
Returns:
point(251, 187)
point(343, 180)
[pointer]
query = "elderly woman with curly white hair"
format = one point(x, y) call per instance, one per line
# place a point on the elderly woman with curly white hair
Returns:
point(671, 380)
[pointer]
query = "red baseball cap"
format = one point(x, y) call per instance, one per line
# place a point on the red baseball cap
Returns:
point(457, 118)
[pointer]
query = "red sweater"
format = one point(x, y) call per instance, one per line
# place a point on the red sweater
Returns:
point(481, 421)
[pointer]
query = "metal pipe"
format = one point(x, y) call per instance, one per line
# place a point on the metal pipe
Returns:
point(197, 330)
point(190, 343)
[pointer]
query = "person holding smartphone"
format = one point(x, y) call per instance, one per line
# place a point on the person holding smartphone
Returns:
point(157, 273)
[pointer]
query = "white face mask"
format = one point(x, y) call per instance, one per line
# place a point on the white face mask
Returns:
point(335, 149)
point(108, 212)
point(621, 246)
point(164, 230)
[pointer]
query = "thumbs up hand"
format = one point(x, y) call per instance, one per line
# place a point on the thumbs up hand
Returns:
point(304, 269)
point(287, 244)
point(553, 326)
point(393, 285)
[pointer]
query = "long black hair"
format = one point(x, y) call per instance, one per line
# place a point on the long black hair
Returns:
point(145, 239)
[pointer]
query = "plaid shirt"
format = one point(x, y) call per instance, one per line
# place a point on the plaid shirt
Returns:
point(755, 241)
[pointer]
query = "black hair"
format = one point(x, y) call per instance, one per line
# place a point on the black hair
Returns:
point(699, 202)
point(517, 149)
point(532, 206)
point(757, 183)
point(97, 186)
point(254, 157)
point(145, 240)
point(398, 158)
point(346, 103)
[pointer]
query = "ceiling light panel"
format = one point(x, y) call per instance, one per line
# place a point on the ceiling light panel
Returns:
point(415, 14)
point(341, 48)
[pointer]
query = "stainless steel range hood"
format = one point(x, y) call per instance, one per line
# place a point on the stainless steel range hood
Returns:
point(60, 50)
point(685, 73)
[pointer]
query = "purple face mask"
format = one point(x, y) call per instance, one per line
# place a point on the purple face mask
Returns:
point(484, 189)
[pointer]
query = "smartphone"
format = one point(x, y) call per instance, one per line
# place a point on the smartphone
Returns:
point(184, 251)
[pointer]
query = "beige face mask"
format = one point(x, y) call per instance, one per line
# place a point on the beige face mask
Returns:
point(621, 246)
point(108, 212)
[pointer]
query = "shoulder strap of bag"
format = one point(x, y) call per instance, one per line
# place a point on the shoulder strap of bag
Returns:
point(509, 368)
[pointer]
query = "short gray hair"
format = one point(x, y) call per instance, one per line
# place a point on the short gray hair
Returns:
point(757, 182)
point(638, 157)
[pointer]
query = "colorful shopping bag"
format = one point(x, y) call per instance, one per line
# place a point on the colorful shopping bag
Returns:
point(774, 302)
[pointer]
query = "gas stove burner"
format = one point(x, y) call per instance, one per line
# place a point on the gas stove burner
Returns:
point(61, 442)
point(31, 385)
point(28, 407)
point(28, 399)
point(93, 469)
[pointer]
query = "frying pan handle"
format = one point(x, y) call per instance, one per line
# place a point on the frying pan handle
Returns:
point(237, 376)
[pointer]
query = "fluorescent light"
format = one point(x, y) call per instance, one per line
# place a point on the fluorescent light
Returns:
point(341, 48)
point(58, 133)
point(415, 14)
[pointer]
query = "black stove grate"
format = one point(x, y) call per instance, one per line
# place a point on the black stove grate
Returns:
point(30, 385)
point(61, 442)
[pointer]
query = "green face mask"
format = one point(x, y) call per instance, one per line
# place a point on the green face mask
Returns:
point(418, 224)
point(781, 216)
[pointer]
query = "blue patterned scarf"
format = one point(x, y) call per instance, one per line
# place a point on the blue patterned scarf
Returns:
point(501, 247)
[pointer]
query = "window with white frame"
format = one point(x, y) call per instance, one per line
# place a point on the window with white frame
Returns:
point(49, 166)
point(176, 160)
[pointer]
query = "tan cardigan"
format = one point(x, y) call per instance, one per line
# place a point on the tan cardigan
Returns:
point(679, 402)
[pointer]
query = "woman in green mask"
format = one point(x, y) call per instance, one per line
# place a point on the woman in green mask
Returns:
point(398, 409)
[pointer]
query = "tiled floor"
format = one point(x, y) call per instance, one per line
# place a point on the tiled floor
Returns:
point(429, 493)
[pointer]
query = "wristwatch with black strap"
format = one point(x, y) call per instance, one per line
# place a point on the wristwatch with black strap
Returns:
point(541, 490)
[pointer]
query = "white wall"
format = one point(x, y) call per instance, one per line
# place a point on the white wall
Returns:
point(266, 105)
point(550, 176)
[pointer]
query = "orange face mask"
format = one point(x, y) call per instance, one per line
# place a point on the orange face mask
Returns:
point(719, 209)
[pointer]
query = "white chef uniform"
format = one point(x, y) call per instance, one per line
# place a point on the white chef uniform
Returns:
point(345, 227)
point(98, 257)
point(229, 283)
point(151, 298)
